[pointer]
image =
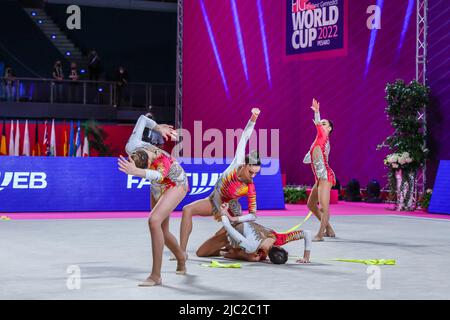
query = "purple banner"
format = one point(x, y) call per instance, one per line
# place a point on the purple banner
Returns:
point(234, 59)
point(315, 26)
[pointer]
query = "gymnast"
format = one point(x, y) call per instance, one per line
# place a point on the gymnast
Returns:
point(169, 186)
point(235, 182)
point(251, 241)
point(324, 177)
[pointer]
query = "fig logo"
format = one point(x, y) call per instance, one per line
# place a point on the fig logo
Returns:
point(302, 5)
point(202, 183)
point(23, 180)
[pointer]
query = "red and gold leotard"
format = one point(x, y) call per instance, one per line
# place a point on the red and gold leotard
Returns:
point(318, 154)
point(164, 172)
point(172, 174)
point(229, 188)
point(250, 235)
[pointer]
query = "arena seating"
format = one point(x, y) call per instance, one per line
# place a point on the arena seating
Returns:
point(144, 41)
point(21, 39)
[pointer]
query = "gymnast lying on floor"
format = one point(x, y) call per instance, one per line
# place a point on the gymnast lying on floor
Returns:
point(251, 241)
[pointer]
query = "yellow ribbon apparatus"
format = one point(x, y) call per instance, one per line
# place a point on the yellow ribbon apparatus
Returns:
point(217, 264)
point(299, 225)
point(388, 262)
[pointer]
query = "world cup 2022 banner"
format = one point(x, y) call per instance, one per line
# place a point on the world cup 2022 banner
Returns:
point(315, 28)
point(59, 184)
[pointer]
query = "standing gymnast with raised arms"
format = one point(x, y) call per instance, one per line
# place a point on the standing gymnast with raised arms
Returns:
point(324, 177)
point(235, 182)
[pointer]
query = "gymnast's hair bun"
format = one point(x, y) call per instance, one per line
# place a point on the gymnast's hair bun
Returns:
point(278, 255)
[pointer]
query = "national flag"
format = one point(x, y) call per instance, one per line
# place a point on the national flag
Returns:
point(17, 140)
point(26, 141)
point(85, 144)
point(3, 142)
point(11, 139)
point(53, 140)
point(71, 146)
point(78, 141)
point(37, 145)
point(66, 146)
point(46, 143)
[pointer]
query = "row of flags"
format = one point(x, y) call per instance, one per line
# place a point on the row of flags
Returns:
point(71, 148)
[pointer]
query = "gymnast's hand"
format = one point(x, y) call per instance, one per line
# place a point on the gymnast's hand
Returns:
point(167, 131)
point(224, 209)
point(128, 166)
point(306, 257)
point(315, 105)
point(255, 114)
point(224, 212)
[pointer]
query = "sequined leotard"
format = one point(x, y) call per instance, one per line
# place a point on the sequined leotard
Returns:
point(164, 171)
point(250, 235)
point(229, 188)
point(318, 154)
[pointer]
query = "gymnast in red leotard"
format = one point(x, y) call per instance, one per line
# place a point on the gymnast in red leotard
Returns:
point(169, 185)
point(235, 182)
point(250, 241)
point(325, 179)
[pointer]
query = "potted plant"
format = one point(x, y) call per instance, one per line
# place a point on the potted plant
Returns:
point(295, 194)
point(402, 184)
point(425, 200)
point(405, 102)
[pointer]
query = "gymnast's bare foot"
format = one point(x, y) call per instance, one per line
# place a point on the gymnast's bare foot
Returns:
point(151, 282)
point(317, 238)
point(181, 265)
point(181, 268)
point(329, 232)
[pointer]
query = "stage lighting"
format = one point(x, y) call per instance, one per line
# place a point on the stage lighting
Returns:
point(33, 14)
point(68, 53)
point(373, 192)
point(352, 191)
point(53, 36)
point(82, 71)
point(40, 21)
point(406, 21)
point(240, 40)
point(215, 48)
point(100, 89)
point(373, 39)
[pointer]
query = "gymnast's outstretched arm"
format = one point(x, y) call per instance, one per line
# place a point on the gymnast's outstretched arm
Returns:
point(307, 236)
point(246, 244)
point(135, 141)
point(247, 218)
point(316, 108)
point(317, 123)
point(317, 119)
point(239, 157)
